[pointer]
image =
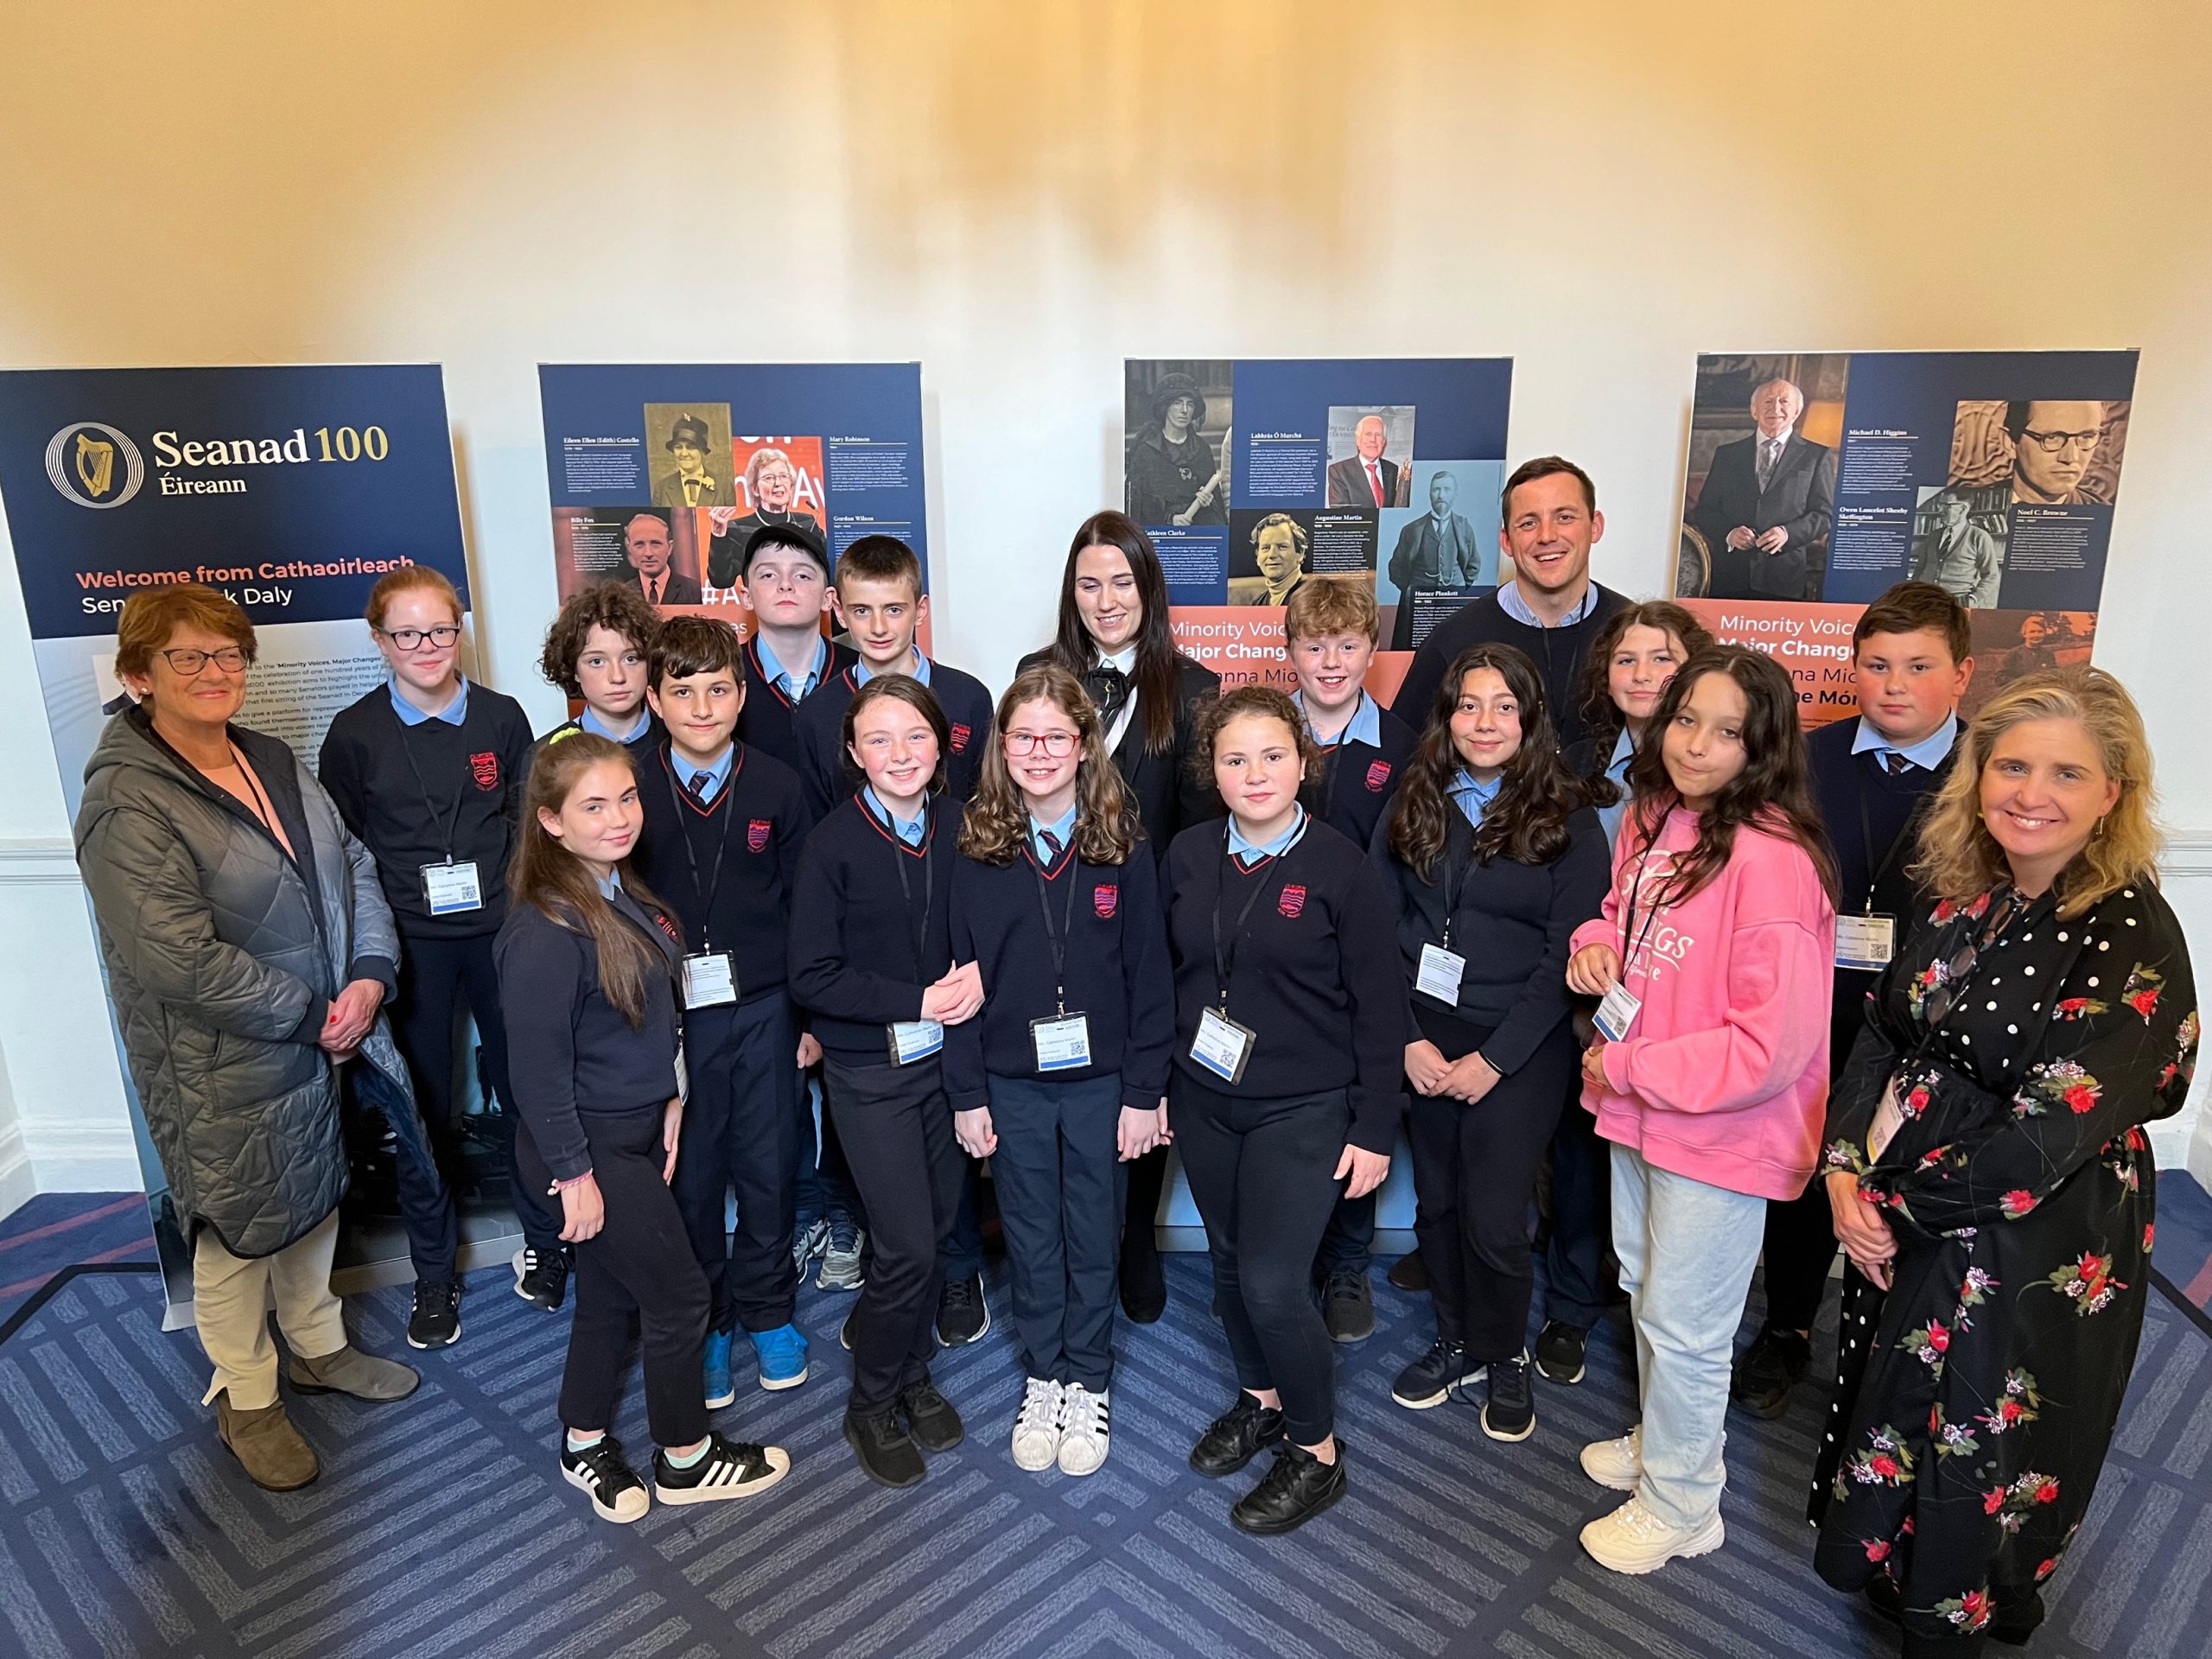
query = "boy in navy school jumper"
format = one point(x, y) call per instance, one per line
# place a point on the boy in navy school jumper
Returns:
point(1056, 901)
point(722, 830)
point(1911, 655)
point(428, 770)
point(880, 602)
point(1332, 626)
point(598, 651)
point(871, 957)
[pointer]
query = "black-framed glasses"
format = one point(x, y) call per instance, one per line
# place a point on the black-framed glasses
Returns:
point(414, 639)
point(1058, 745)
point(2051, 442)
point(1951, 981)
point(186, 662)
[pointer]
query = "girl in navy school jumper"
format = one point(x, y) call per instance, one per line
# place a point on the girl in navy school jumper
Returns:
point(588, 962)
point(1493, 861)
point(1290, 1032)
point(871, 959)
point(1062, 1080)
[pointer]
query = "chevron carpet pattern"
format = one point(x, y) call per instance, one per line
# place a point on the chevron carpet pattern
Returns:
point(440, 1527)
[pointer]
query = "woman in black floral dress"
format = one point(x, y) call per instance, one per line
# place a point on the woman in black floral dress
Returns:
point(1992, 1182)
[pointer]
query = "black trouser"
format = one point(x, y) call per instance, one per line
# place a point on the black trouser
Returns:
point(1474, 1172)
point(741, 1126)
point(1582, 1217)
point(897, 1129)
point(1145, 1177)
point(1263, 1172)
point(637, 1269)
point(1799, 1250)
point(825, 1185)
point(1058, 1176)
point(433, 974)
point(1348, 1241)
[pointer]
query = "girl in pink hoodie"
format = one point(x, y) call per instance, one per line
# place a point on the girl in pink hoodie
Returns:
point(1709, 1075)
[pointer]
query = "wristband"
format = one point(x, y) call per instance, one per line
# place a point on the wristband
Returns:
point(574, 1180)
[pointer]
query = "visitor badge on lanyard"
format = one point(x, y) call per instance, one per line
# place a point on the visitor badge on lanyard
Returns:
point(915, 1039)
point(710, 979)
point(1866, 943)
point(448, 887)
point(1617, 1012)
point(1440, 974)
point(1063, 1043)
point(1222, 1046)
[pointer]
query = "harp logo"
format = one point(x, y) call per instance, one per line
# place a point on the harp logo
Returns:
point(94, 464)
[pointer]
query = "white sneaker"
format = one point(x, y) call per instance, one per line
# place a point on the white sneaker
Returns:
point(1615, 1463)
point(1036, 1430)
point(1084, 1432)
point(1633, 1539)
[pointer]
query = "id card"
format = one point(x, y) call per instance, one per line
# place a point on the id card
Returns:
point(1866, 943)
point(1063, 1044)
point(710, 979)
point(1440, 973)
point(1222, 1046)
point(915, 1039)
point(1617, 1012)
point(447, 888)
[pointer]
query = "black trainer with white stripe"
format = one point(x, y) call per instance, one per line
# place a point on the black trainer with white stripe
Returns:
point(601, 1471)
point(729, 1469)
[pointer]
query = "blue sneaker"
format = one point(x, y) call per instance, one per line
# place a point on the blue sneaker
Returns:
point(782, 1355)
point(721, 1391)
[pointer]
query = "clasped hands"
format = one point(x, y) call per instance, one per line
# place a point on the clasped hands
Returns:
point(1767, 541)
point(353, 1011)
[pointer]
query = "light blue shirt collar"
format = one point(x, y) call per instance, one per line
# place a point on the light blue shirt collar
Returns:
point(1064, 831)
point(453, 714)
point(909, 830)
point(1471, 797)
point(717, 774)
point(609, 885)
point(802, 688)
point(1364, 727)
point(861, 675)
point(1282, 843)
point(589, 721)
point(1616, 769)
point(1928, 753)
point(1510, 601)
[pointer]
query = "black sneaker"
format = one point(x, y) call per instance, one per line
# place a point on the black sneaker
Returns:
point(1407, 1272)
point(729, 1469)
point(1297, 1489)
point(1348, 1305)
point(601, 1471)
point(887, 1454)
point(845, 1331)
point(1770, 1369)
point(1510, 1413)
point(541, 1277)
point(1561, 1351)
point(963, 1315)
point(435, 1322)
point(929, 1418)
point(1235, 1437)
point(1430, 1379)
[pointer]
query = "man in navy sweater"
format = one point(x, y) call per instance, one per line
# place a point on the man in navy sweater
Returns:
point(1873, 777)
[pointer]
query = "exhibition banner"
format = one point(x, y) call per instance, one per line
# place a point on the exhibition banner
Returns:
point(1255, 475)
point(290, 489)
point(659, 472)
point(1817, 480)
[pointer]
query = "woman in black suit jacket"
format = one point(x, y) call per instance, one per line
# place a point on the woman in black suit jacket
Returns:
point(1114, 636)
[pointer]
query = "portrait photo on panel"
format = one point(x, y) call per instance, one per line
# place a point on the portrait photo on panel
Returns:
point(779, 481)
point(1959, 550)
point(1269, 555)
point(1175, 421)
point(1445, 543)
point(1760, 496)
point(2008, 645)
point(687, 449)
point(655, 548)
point(1371, 446)
point(2039, 452)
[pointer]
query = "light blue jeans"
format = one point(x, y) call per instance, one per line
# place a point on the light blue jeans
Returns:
point(1686, 1250)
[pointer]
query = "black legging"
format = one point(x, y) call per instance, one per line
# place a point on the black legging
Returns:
point(1263, 1172)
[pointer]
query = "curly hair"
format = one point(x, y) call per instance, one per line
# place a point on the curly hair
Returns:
point(997, 820)
point(618, 606)
point(1958, 858)
point(1271, 702)
point(1601, 716)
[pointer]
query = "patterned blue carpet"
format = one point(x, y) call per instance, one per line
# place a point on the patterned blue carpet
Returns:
point(440, 1527)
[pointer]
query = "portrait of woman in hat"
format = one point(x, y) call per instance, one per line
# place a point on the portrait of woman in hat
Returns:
point(1173, 478)
point(700, 476)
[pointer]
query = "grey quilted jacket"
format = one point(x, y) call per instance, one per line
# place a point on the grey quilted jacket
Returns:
point(222, 956)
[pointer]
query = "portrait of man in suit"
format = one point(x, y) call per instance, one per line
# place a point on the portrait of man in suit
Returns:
point(1438, 549)
point(1767, 503)
point(694, 481)
point(2053, 443)
point(1957, 555)
point(646, 544)
point(1279, 545)
point(1368, 478)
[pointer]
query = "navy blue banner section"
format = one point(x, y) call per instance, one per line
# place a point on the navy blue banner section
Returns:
point(292, 489)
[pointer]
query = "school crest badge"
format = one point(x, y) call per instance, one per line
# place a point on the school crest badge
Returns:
point(756, 834)
point(1103, 901)
point(1377, 775)
point(960, 736)
point(484, 769)
point(1292, 901)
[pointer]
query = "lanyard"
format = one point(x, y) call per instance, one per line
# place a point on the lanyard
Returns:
point(1224, 951)
point(262, 804)
point(1628, 922)
point(1059, 939)
point(690, 854)
point(1867, 839)
point(1455, 877)
point(453, 818)
point(899, 855)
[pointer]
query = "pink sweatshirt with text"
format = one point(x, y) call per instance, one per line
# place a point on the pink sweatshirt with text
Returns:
point(1724, 1074)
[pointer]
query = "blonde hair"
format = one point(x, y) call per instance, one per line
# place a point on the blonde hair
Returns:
point(1326, 605)
point(1958, 858)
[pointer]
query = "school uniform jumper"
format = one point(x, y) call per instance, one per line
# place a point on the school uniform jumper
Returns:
point(772, 702)
point(818, 729)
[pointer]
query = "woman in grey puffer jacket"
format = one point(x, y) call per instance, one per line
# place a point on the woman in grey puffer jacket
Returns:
point(248, 949)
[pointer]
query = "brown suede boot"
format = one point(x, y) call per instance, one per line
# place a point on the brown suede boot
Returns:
point(266, 1443)
point(351, 1371)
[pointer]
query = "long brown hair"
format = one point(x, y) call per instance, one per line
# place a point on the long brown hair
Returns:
point(997, 820)
point(1772, 794)
point(549, 877)
point(1535, 794)
point(1158, 664)
point(1601, 715)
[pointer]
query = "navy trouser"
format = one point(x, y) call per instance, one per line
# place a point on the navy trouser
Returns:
point(425, 1206)
point(1059, 1178)
point(1348, 1241)
point(1582, 1212)
point(740, 1125)
point(824, 1184)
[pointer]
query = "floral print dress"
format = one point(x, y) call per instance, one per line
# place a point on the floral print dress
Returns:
point(1978, 1396)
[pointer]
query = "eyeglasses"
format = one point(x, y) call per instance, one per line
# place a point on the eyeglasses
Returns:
point(1058, 745)
point(187, 663)
point(415, 638)
point(2051, 442)
point(1949, 979)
